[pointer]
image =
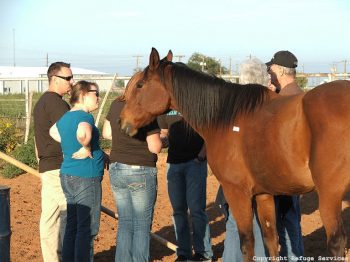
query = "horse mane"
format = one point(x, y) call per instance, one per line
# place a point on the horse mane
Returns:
point(206, 100)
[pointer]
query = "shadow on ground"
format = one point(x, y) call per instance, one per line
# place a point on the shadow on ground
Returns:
point(158, 252)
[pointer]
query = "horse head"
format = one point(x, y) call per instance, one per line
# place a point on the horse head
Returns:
point(147, 96)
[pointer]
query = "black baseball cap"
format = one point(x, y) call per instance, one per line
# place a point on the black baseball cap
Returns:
point(284, 58)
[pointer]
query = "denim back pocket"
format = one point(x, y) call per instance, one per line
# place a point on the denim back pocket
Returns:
point(137, 186)
point(136, 180)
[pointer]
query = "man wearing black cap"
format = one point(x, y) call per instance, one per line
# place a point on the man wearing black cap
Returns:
point(282, 71)
point(283, 76)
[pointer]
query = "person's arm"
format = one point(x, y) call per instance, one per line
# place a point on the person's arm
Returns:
point(107, 130)
point(84, 135)
point(107, 134)
point(202, 155)
point(36, 151)
point(154, 143)
point(54, 133)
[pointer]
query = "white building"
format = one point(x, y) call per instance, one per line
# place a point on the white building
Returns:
point(17, 79)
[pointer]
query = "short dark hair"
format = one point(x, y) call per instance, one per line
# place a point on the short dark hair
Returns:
point(80, 87)
point(54, 68)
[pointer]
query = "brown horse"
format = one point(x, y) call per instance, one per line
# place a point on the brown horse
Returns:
point(258, 143)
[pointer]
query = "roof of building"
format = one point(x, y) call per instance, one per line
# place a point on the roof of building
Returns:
point(27, 71)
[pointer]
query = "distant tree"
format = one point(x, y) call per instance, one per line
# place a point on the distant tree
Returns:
point(119, 83)
point(207, 64)
point(302, 82)
point(137, 69)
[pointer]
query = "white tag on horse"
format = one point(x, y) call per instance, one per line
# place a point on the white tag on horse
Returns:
point(235, 129)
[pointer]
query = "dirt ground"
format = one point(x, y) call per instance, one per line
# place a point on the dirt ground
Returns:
point(25, 213)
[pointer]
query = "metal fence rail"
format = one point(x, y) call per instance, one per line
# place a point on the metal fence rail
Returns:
point(105, 210)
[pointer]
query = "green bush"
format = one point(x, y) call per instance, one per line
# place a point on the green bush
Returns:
point(104, 143)
point(24, 153)
point(8, 140)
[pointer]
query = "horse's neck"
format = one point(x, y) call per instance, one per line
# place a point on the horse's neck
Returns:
point(206, 134)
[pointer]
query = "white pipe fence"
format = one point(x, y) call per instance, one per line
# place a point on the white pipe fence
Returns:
point(20, 110)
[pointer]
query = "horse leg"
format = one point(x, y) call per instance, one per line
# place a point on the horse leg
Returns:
point(241, 207)
point(330, 211)
point(267, 218)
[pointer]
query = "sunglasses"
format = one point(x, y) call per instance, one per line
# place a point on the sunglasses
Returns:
point(94, 91)
point(67, 78)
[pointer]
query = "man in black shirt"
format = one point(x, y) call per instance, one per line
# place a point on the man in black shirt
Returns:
point(187, 181)
point(49, 108)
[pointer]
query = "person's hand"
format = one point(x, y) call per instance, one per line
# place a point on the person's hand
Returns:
point(106, 161)
point(82, 153)
point(200, 158)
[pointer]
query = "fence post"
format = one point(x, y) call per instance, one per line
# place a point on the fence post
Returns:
point(104, 101)
point(29, 102)
point(2, 86)
point(34, 172)
point(5, 229)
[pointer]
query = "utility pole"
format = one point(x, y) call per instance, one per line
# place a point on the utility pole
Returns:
point(47, 59)
point(334, 68)
point(14, 46)
point(344, 67)
point(345, 62)
point(203, 64)
point(230, 66)
point(179, 57)
point(137, 62)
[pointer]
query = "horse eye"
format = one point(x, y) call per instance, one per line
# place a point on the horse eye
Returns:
point(139, 85)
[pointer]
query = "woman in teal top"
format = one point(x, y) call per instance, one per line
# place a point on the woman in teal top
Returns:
point(67, 127)
point(81, 171)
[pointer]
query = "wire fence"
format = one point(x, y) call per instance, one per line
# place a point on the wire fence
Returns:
point(18, 109)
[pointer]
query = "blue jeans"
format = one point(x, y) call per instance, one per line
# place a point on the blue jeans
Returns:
point(135, 192)
point(187, 184)
point(83, 197)
point(232, 250)
point(288, 226)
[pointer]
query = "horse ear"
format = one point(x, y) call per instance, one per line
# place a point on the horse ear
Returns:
point(169, 56)
point(154, 59)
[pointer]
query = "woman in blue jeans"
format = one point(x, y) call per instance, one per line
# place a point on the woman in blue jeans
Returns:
point(81, 172)
point(133, 178)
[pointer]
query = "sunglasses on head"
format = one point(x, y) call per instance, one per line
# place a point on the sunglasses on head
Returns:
point(94, 91)
point(67, 78)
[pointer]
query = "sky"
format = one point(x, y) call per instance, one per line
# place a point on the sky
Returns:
point(107, 35)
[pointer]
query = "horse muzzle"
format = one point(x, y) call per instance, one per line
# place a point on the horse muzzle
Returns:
point(128, 128)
